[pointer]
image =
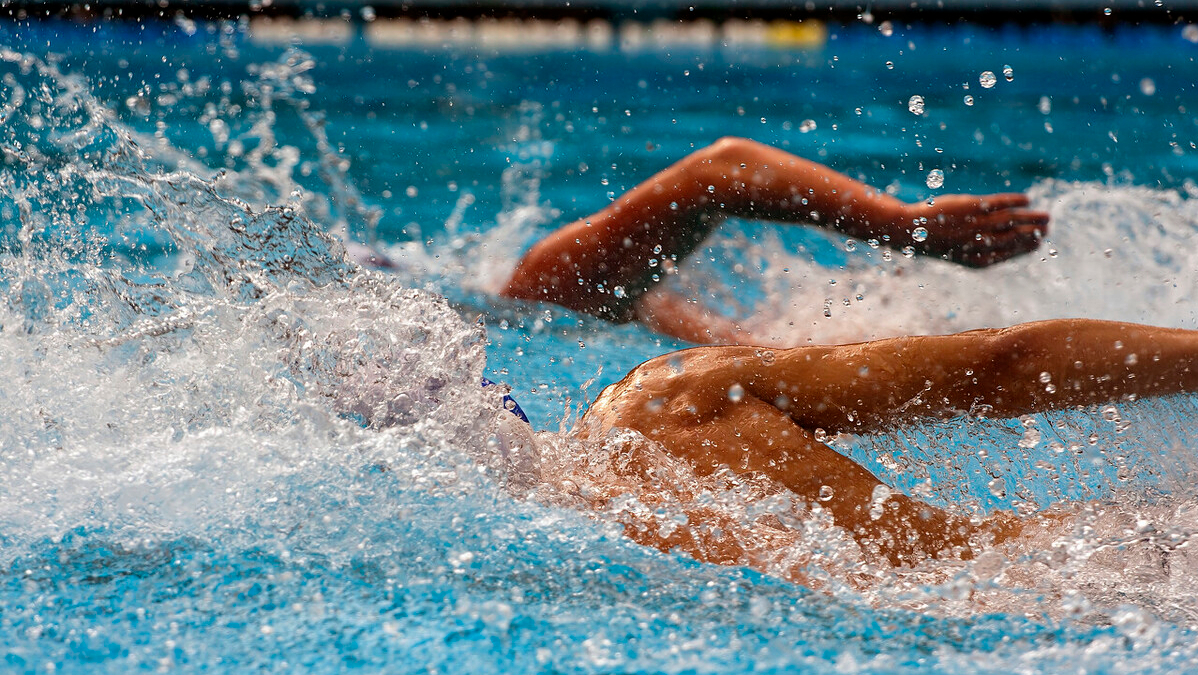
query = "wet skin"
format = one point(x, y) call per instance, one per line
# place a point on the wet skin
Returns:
point(782, 401)
point(605, 264)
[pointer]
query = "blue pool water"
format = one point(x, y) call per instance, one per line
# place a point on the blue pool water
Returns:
point(186, 358)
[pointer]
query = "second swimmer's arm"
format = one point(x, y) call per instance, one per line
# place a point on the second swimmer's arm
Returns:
point(672, 314)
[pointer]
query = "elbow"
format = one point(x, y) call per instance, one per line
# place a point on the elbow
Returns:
point(730, 151)
point(723, 171)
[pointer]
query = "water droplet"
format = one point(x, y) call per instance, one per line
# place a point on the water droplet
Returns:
point(890, 65)
point(998, 487)
point(878, 501)
point(736, 393)
point(1190, 33)
point(1008, 72)
point(1045, 105)
point(1147, 86)
point(908, 251)
point(807, 126)
point(1131, 359)
point(1045, 377)
point(1030, 438)
point(850, 245)
point(968, 100)
point(915, 105)
point(826, 492)
point(887, 29)
point(767, 357)
point(920, 234)
point(1106, 11)
point(1050, 388)
point(987, 79)
point(619, 292)
point(935, 179)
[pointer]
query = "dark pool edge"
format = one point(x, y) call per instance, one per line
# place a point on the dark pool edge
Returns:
point(990, 13)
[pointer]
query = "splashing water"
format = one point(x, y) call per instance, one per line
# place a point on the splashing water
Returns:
point(225, 439)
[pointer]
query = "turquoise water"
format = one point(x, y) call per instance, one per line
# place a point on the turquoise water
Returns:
point(188, 359)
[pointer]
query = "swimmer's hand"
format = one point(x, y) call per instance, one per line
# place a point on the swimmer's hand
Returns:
point(971, 230)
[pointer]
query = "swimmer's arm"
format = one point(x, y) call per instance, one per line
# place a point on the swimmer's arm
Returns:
point(671, 213)
point(1004, 373)
point(742, 178)
point(685, 318)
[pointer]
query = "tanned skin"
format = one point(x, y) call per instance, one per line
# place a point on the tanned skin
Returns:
point(664, 220)
point(781, 398)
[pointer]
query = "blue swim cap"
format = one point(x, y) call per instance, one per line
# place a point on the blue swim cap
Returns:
point(509, 403)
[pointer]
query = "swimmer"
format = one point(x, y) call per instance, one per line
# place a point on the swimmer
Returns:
point(604, 264)
point(765, 412)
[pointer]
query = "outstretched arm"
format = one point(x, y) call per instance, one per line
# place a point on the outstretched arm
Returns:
point(755, 409)
point(1013, 371)
point(603, 263)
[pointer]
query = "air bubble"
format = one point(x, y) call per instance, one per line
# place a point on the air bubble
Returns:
point(1045, 377)
point(807, 126)
point(920, 234)
point(887, 29)
point(826, 492)
point(1147, 86)
point(915, 105)
point(987, 79)
point(736, 393)
point(619, 292)
point(935, 179)
point(968, 100)
point(1190, 33)
point(1008, 72)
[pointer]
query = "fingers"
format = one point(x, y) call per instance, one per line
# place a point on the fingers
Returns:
point(999, 222)
point(1007, 200)
point(997, 247)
